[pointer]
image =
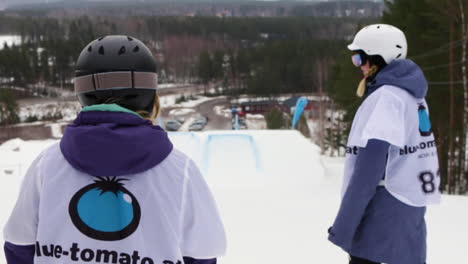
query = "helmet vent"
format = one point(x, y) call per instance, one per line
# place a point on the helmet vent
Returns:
point(378, 26)
point(399, 55)
point(136, 49)
point(101, 50)
point(90, 48)
point(101, 38)
point(129, 38)
point(122, 50)
point(398, 46)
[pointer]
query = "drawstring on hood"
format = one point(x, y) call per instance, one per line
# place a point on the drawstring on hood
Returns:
point(404, 74)
point(110, 143)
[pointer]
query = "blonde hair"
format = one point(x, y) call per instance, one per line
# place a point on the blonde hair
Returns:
point(361, 90)
point(145, 114)
point(155, 113)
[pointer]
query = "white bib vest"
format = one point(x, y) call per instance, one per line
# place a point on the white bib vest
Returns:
point(393, 115)
point(164, 214)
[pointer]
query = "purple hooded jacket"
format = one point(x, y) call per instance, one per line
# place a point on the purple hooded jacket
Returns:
point(103, 143)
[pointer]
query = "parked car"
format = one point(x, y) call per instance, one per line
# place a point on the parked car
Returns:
point(197, 126)
point(200, 119)
point(173, 125)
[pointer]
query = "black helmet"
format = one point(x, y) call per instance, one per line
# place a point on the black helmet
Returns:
point(119, 67)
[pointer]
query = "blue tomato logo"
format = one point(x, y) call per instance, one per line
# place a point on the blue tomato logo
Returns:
point(425, 127)
point(105, 210)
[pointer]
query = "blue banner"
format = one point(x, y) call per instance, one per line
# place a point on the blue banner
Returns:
point(301, 104)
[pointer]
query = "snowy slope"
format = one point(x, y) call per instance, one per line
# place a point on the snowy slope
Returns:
point(276, 194)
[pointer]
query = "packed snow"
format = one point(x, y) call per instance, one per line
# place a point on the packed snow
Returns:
point(276, 194)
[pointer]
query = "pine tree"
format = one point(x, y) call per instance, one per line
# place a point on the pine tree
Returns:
point(8, 108)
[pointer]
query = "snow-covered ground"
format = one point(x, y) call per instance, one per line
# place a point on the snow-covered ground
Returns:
point(245, 99)
point(9, 40)
point(222, 111)
point(171, 85)
point(276, 194)
point(67, 110)
point(170, 100)
point(185, 126)
point(255, 121)
point(181, 111)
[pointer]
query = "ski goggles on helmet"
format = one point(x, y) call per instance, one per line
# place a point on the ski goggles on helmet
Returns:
point(359, 59)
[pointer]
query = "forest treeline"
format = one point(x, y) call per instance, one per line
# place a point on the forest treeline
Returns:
point(244, 54)
point(226, 8)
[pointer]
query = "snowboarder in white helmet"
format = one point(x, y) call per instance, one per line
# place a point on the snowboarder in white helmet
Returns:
point(391, 170)
point(114, 190)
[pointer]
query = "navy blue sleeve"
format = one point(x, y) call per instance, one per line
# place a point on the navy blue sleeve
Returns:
point(368, 171)
point(189, 260)
point(19, 254)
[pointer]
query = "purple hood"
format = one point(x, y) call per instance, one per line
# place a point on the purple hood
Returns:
point(404, 74)
point(104, 143)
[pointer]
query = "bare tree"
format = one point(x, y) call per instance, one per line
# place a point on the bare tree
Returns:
point(464, 164)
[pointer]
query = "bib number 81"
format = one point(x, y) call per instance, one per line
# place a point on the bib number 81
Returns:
point(427, 178)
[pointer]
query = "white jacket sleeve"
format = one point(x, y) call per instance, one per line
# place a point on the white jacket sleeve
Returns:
point(203, 235)
point(21, 227)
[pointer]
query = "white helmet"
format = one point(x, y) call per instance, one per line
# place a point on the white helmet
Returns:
point(380, 39)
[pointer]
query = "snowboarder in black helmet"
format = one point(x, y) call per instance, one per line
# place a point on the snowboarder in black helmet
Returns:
point(117, 69)
point(114, 189)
